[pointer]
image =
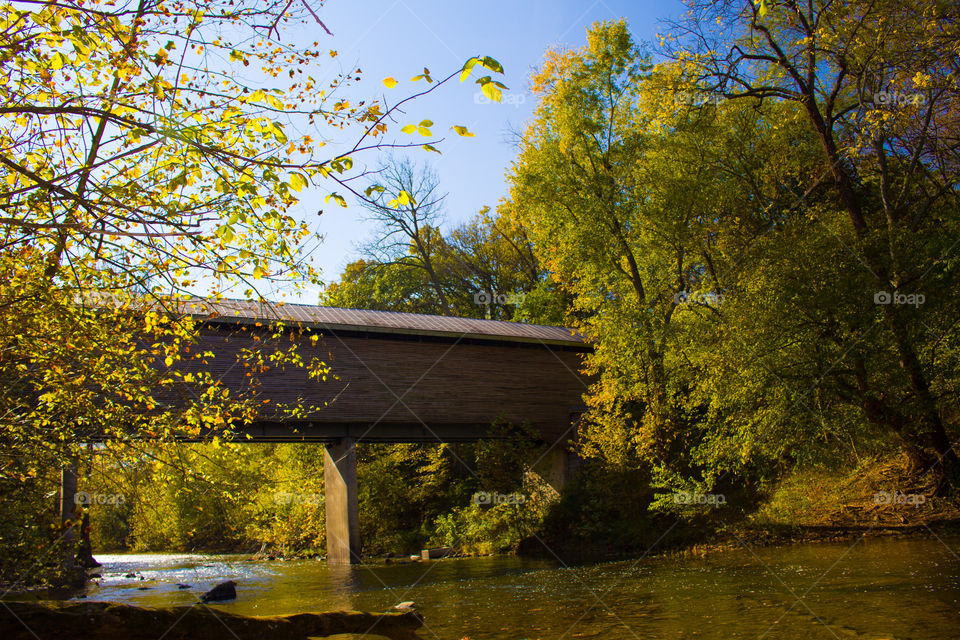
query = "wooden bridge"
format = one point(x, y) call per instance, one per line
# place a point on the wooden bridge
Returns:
point(400, 377)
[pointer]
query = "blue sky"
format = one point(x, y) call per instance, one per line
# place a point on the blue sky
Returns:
point(399, 38)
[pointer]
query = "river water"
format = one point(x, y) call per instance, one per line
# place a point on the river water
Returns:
point(875, 588)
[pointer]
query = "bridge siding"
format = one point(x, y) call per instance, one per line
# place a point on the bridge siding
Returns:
point(449, 383)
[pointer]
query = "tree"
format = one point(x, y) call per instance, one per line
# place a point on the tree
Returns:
point(574, 187)
point(491, 265)
point(484, 268)
point(674, 225)
point(876, 83)
point(139, 163)
point(407, 207)
point(366, 284)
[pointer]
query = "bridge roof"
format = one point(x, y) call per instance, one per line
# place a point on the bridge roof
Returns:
point(383, 322)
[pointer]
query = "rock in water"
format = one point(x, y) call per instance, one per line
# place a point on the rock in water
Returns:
point(223, 591)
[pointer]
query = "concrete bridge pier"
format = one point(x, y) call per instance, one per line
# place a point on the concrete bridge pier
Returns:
point(340, 500)
point(557, 466)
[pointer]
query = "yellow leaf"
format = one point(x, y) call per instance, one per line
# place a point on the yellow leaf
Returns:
point(389, 83)
point(297, 182)
point(490, 90)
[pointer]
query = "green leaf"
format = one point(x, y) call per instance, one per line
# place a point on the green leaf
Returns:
point(424, 76)
point(491, 64)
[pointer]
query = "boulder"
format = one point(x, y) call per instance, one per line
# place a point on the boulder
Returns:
point(223, 591)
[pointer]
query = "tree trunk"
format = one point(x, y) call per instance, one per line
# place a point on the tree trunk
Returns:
point(68, 509)
point(935, 431)
point(930, 414)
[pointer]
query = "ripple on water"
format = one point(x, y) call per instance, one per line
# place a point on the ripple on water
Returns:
point(898, 588)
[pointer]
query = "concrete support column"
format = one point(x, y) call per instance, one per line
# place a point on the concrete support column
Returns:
point(557, 466)
point(342, 509)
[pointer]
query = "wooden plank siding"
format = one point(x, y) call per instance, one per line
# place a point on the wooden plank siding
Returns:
point(451, 387)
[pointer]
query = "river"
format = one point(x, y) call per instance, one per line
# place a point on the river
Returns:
point(876, 588)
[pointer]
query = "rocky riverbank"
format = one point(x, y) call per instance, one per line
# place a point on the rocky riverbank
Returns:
point(109, 621)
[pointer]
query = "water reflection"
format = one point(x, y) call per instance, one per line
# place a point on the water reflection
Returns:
point(880, 588)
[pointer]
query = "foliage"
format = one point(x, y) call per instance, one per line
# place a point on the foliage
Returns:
point(146, 156)
point(876, 85)
point(403, 487)
point(220, 496)
point(268, 498)
point(484, 268)
point(712, 255)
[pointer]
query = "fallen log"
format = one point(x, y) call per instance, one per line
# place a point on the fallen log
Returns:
point(111, 621)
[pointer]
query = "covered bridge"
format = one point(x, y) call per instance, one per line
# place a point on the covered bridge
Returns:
point(400, 377)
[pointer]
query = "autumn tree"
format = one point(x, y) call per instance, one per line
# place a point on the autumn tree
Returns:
point(663, 217)
point(876, 83)
point(148, 153)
